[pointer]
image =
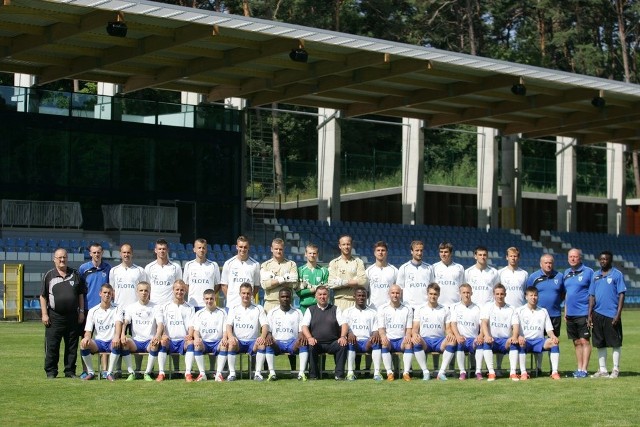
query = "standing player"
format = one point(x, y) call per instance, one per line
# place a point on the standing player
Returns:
point(345, 273)
point(481, 276)
point(124, 277)
point(500, 328)
point(238, 270)
point(380, 275)
point(432, 333)
point(173, 320)
point(534, 321)
point(414, 276)
point(95, 273)
point(200, 274)
point(606, 300)
point(448, 274)
point(513, 278)
point(577, 279)
point(247, 330)
point(363, 333)
point(275, 274)
point(103, 318)
point(162, 274)
point(311, 275)
point(395, 323)
point(141, 317)
point(286, 336)
point(465, 326)
point(207, 328)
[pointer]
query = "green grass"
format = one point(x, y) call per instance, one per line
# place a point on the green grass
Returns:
point(30, 399)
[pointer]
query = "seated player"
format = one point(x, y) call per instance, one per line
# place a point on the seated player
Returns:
point(173, 322)
point(465, 326)
point(285, 323)
point(534, 321)
point(363, 333)
point(103, 318)
point(207, 328)
point(432, 333)
point(395, 321)
point(247, 329)
point(500, 327)
point(141, 315)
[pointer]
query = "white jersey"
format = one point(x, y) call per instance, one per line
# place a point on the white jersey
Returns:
point(414, 279)
point(246, 321)
point(161, 278)
point(285, 325)
point(176, 319)
point(380, 279)
point(502, 320)
point(449, 277)
point(200, 276)
point(209, 323)
point(533, 323)
point(467, 319)
point(142, 319)
point(235, 273)
point(363, 323)
point(515, 283)
point(433, 320)
point(394, 320)
point(482, 283)
point(103, 321)
point(124, 280)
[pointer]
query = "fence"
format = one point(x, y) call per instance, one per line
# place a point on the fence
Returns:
point(24, 213)
point(140, 218)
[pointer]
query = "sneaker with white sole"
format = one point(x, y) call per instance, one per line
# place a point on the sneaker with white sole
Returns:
point(258, 377)
point(219, 378)
point(377, 377)
point(614, 373)
point(302, 377)
point(442, 377)
point(230, 378)
point(600, 374)
point(426, 376)
point(351, 377)
point(201, 377)
point(272, 377)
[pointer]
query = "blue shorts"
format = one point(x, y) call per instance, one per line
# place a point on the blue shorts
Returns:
point(499, 346)
point(246, 346)
point(433, 344)
point(361, 346)
point(468, 345)
point(176, 347)
point(533, 346)
point(211, 347)
point(395, 345)
point(142, 346)
point(103, 346)
point(281, 347)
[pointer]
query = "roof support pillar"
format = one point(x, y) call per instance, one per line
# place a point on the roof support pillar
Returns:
point(329, 147)
point(412, 171)
point(511, 207)
point(487, 164)
point(616, 216)
point(566, 184)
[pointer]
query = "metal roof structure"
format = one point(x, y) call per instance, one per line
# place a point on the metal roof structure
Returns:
point(221, 55)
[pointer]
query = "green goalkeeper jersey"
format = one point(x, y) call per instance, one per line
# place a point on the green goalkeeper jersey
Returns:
point(314, 277)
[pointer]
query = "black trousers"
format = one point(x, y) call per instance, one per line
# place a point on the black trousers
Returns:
point(332, 347)
point(61, 327)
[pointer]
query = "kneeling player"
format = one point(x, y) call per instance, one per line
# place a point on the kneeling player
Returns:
point(500, 331)
point(247, 330)
point(103, 317)
point(395, 321)
point(363, 333)
point(534, 321)
point(141, 315)
point(432, 333)
point(465, 325)
point(286, 335)
point(173, 320)
point(207, 328)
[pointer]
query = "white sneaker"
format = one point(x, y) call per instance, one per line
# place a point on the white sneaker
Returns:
point(614, 373)
point(600, 374)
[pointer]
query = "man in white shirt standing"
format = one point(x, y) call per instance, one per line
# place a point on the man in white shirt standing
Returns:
point(481, 277)
point(162, 274)
point(448, 274)
point(414, 276)
point(380, 275)
point(125, 276)
point(200, 274)
point(514, 279)
point(237, 270)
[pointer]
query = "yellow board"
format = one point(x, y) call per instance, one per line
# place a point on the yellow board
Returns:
point(13, 291)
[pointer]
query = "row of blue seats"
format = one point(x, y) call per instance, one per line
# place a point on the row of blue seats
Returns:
point(46, 245)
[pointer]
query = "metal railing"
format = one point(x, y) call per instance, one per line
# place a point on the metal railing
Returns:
point(140, 218)
point(51, 214)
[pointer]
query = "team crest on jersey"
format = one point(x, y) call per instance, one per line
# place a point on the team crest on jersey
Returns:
point(410, 276)
point(609, 280)
point(100, 321)
point(580, 278)
point(555, 281)
point(104, 274)
point(142, 314)
point(170, 316)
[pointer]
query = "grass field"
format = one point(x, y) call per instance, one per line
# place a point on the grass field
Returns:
point(28, 398)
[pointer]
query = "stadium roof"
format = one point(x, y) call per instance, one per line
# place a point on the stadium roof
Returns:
point(222, 55)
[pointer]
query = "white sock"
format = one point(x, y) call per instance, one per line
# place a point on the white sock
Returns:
point(447, 356)
point(523, 362)
point(513, 361)
point(304, 359)
point(231, 361)
point(113, 358)
point(162, 359)
point(259, 362)
point(188, 362)
point(388, 364)
point(406, 361)
point(351, 361)
point(89, 363)
point(602, 359)
point(421, 358)
point(199, 362)
point(271, 362)
point(376, 355)
point(488, 360)
point(460, 361)
point(555, 360)
point(615, 354)
point(479, 356)
point(220, 361)
point(129, 361)
point(150, 361)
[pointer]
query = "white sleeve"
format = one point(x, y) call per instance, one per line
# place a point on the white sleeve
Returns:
point(306, 318)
